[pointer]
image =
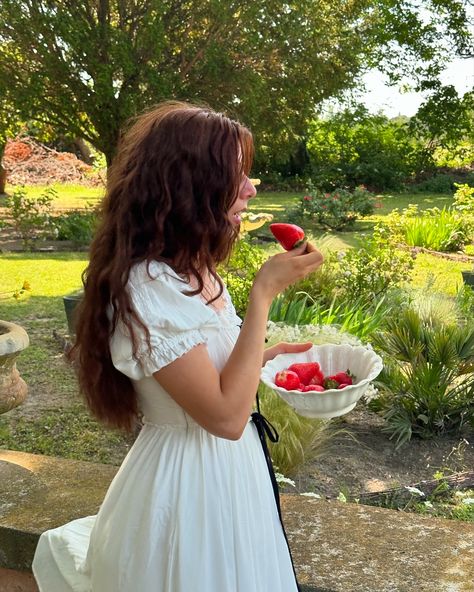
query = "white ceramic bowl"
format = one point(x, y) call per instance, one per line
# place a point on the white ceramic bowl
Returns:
point(364, 363)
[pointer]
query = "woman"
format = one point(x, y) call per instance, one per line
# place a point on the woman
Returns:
point(192, 506)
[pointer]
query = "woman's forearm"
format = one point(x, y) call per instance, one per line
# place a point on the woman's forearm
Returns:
point(241, 375)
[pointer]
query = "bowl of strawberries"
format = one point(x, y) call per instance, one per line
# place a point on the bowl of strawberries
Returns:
point(325, 381)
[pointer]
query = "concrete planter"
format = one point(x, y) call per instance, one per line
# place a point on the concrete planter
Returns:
point(13, 389)
point(70, 303)
point(468, 277)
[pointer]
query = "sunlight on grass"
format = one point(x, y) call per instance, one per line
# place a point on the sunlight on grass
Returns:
point(441, 275)
point(54, 274)
point(69, 196)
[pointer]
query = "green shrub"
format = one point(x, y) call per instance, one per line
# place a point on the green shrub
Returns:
point(457, 156)
point(240, 271)
point(427, 385)
point(76, 226)
point(32, 217)
point(368, 272)
point(336, 210)
point(350, 148)
point(464, 199)
point(440, 183)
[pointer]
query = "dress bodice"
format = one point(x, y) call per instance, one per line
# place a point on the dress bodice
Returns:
point(176, 322)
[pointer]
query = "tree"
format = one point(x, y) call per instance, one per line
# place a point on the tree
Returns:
point(445, 118)
point(9, 126)
point(88, 66)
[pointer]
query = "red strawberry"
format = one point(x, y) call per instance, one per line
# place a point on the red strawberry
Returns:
point(306, 370)
point(342, 385)
point(313, 387)
point(318, 378)
point(289, 236)
point(287, 379)
point(344, 377)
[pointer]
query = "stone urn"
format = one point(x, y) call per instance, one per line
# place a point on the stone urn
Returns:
point(13, 389)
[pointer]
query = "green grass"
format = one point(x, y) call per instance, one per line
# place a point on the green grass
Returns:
point(278, 204)
point(69, 196)
point(442, 275)
point(49, 274)
point(68, 432)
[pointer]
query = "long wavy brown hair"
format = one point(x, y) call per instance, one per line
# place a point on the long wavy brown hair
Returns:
point(176, 174)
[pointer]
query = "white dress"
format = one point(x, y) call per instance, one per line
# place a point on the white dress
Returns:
point(187, 511)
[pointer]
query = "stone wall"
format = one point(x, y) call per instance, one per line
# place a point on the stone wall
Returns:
point(336, 547)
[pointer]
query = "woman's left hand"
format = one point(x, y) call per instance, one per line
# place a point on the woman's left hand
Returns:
point(285, 348)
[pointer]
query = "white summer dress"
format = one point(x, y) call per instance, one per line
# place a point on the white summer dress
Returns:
point(187, 511)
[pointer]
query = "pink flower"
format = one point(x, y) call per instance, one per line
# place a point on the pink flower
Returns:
point(307, 198)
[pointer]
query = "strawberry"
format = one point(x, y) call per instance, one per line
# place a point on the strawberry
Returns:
point(287, 379)
point(344, 377)
point(289, 236)
point(313, 387)
point(318, 378)
point(342, 385)
point(330, 383)
point(306, 371)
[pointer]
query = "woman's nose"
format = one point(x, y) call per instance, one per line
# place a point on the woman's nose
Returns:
point(250, 189)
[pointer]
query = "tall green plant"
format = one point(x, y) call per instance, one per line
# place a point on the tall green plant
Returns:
point(444, 230)
point(301, 439)
point(357, 317)
point(427, 383)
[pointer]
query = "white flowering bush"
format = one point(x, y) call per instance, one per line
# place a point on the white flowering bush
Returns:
point(318, 334)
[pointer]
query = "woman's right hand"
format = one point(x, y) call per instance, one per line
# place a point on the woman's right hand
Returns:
point(284, 269)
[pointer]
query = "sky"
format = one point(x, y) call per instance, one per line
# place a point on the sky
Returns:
point(380, 97)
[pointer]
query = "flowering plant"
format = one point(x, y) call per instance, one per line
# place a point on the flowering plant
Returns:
point(18, 293)
point(335, 210)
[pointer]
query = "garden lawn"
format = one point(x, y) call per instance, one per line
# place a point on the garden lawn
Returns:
point(279, 203)
point(273, 202)
point(68, 196)
point(53, 420)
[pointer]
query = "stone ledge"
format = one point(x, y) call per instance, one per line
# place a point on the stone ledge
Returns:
point(15, 581)
point(336, 547)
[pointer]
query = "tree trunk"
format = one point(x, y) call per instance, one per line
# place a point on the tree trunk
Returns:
point(83, 148)
point(3, 172)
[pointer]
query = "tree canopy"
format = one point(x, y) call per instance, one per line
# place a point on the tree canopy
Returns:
point(89, 66)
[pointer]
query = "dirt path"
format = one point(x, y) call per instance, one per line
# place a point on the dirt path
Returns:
point(364, 459)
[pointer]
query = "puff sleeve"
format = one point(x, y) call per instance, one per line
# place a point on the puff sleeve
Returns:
point(176, 322)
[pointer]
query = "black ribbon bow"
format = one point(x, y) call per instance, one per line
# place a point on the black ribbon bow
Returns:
point(265, 428)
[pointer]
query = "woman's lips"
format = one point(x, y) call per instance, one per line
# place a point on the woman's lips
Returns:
point(237, 217)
